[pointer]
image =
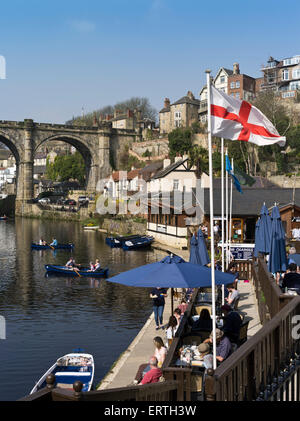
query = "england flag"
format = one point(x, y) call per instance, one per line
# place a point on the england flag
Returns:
point(239, 120)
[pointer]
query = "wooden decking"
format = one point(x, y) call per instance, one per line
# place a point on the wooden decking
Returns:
point(142, 347)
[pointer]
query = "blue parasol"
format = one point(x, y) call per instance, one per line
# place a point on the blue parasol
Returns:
point(194, 254)
point(202, 249)
point(263, 233)
point(255, 252)
point(172, 272)
point(277, 259)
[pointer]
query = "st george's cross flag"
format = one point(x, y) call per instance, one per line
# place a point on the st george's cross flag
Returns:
point(239, 120)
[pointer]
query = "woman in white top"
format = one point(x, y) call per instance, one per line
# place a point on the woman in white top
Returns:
point(171, 329)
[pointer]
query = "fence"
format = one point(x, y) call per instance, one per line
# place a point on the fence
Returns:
point(266, 367)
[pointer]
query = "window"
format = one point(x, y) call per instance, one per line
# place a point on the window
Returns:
point(237, 95)
point(237, 85)
point(285, 74)
point(294, 86)
point(232, 85)
point(288, 94)
point(175, 184)
point(222, 79)
point(296, 74)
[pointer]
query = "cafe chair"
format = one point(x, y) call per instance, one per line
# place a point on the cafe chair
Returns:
point(236, 303)
point(243, 332)
point(197, 386)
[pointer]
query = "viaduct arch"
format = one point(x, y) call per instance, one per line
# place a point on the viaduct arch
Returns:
point(96, 144)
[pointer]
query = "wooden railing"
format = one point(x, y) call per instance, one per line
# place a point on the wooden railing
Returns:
point(269, 296)
point(244, 268)
point(266, 367)
point(163, 391)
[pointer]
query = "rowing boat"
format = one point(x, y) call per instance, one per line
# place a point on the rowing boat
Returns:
point(65, 270)
point(141, 242)
point(69, 369)
point(67, 246)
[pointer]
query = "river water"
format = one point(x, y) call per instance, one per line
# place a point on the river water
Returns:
point(47, 317)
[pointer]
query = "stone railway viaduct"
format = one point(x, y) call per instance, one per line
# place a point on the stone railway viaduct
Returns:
point(98, 146)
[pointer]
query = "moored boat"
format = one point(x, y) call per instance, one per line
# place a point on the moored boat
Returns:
point(3, 218)
point(68, 369)
point(137, 243)
point(64, 270)
point(67, 246)
point(118, 241)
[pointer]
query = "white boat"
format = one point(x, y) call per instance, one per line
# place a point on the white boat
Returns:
point(68, 369)
point(93, 227)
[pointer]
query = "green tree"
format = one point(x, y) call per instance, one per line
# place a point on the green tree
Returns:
point(180, 141)
point(67, 167)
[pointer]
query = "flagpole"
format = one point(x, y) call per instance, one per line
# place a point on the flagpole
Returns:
point(222, 210)
point(226, 215)
point(230, 217)
point(211, 206)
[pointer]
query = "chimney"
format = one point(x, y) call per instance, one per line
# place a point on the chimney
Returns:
point(167, 162)
point(190, 95)
point(236, 68)
point(129, 113)
point(166, 103)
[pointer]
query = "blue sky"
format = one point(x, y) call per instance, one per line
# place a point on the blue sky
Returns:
point(65, 55)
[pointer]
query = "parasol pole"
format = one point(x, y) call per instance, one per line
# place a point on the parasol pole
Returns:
point(226, 215)
point(211, 206)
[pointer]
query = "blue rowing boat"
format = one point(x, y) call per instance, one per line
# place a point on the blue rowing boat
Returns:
point(137, 243)
point(117, 242)
point(35, 246)
point(64, 270)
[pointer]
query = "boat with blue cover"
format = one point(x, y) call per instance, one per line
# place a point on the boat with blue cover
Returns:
point(136, 243)
point(69, 369)
point(118, 241)
point(82, 271)
point(68, 246)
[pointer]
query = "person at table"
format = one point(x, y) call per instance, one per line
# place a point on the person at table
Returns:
point(291, 279)
point(54, 242)
point(158, 296)
point(153, 375)
point(233, 296)
point(232, 323)
point(204, 321)
point(206, 355)
point(223, 345)
point(183, 306)
point(177, 313)
point(159, 354)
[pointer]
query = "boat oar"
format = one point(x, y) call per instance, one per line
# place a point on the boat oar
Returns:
point(53, 248)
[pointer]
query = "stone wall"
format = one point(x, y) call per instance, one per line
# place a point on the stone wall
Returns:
point(128, 226)
point(285, 182)
point(33, 210)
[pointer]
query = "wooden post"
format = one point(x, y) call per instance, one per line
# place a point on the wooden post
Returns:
point(210, 392)
point(50, 380)
point(77, 387)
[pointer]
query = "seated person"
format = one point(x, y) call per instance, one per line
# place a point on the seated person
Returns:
point(97, 265)
point(72, 265)
point(204, 322)
point(223, 349)
point(160, 351)
point(177, 313)
point(232, 296)
point(183, 306)
point(291, 278)
point(54, 242)
point(151, 376)
point(206, 355)
point(92, 267)
point(232, 323)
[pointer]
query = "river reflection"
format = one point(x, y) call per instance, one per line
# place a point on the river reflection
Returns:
point(47, 317)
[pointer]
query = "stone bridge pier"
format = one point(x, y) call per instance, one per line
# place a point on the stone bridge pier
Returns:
point(96, 144)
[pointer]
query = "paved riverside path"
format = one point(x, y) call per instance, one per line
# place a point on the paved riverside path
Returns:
point(142, 347)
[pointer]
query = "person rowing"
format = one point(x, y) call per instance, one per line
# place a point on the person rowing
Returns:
point(72, 265)
point(54, 242)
